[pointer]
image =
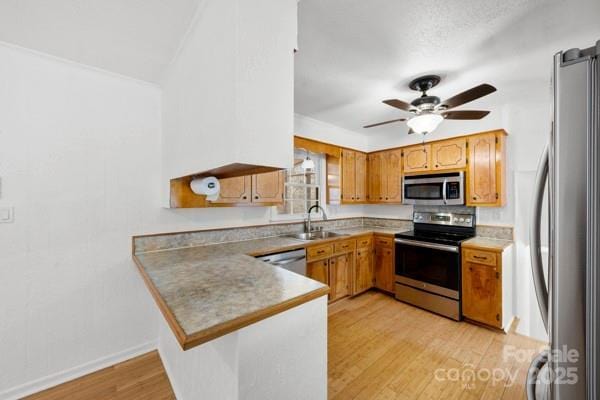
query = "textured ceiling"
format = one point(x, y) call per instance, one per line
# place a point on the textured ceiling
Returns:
point(355, 53)
point(136, 38)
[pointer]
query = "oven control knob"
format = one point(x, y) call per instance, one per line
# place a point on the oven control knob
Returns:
point(468, 220)
point(461, 220)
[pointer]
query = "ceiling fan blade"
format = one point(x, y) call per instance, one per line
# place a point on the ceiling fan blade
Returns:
point(465, 114)
point(386, 122)
point(398, 104)
point(468, 96)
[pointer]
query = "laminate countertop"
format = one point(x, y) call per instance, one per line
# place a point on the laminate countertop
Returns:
point(208, 291)
point(497, 245)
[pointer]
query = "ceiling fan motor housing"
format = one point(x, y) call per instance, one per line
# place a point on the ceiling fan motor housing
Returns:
point(426, 103)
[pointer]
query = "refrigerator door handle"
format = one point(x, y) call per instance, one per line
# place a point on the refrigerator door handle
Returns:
point(537, 266)
point(532, 374)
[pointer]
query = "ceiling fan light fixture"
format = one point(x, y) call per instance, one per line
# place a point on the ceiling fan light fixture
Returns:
point(424, 123)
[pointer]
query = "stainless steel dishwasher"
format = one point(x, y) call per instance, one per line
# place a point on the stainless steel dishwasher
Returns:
point(294, 260)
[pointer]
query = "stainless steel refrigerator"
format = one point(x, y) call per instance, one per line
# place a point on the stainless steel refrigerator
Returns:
point(569, 301)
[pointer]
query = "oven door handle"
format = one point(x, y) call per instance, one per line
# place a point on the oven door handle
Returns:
point(435, 246)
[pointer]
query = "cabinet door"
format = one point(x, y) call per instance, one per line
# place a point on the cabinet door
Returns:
point(375, 177)
point(340, 268)
point(360, 170)
point(482, 169)
point(363, 270)
point(318, 270)
point(235, 190)
point(482, 293)
point(393, 176)
point(267, 187)
point(417, 158)
point(449, 154)
point(348, 176)
point(384, 268)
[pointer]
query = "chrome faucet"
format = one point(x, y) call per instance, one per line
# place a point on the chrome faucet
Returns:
point(307, 222)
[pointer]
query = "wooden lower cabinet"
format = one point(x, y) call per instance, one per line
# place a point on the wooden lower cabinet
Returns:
point(384, 263)
point(364, 277)
point(486, 285)
point(318, 270)
point(340, 272)
point(482, 293)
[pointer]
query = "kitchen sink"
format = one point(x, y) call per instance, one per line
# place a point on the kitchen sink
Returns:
point(316, 235)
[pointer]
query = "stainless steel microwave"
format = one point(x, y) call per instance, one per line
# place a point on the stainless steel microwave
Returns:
point(435, 189)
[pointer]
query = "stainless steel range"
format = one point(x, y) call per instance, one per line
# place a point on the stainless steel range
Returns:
point(428, 261)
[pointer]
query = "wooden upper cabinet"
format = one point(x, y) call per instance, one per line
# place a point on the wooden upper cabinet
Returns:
point(360, 170)
point(375, 177)
point(482, 293)
point(235, 190)
point(486, 170)
point(417, 158)
point(267, 187)
point(449, 154)
point(392, 174)
point(348, 176)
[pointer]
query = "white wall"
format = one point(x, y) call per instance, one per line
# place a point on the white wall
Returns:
point(80, 162)
point(228, 94)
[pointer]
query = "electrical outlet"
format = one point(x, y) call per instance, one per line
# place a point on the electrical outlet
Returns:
point(6, 215)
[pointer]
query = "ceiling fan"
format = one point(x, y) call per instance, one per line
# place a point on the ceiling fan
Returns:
point(428, 111)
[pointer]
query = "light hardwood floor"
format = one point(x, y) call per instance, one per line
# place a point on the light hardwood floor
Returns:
point(141, 378)
point(380, 348)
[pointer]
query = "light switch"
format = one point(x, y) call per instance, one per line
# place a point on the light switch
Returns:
point(6, 215)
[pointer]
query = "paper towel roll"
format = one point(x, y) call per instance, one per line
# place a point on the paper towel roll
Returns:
point(206, 186)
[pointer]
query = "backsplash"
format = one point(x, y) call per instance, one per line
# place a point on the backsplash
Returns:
point(165, 241)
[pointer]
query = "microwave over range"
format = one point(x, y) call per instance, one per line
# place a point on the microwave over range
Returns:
point(435, 189)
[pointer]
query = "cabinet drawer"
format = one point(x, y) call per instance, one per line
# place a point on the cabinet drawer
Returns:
point(364, 241)
point(480, 257)
point(344, 246)
point(383, 241)
point(316, 252)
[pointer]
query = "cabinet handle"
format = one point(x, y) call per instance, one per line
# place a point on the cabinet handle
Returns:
point(470, 268)
point(256, 197)
point(480, 257)
point(320, 251)
point(387, 198)
point(244, 197)
point(474, 198)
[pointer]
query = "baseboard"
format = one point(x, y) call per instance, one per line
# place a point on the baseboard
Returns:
point(49, 381)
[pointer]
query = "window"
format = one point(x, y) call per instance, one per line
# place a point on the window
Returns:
point(302, 188)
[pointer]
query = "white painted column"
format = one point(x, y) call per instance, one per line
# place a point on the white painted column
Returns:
point(281, 357)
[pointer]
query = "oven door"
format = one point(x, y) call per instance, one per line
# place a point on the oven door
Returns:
point(428, 266)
